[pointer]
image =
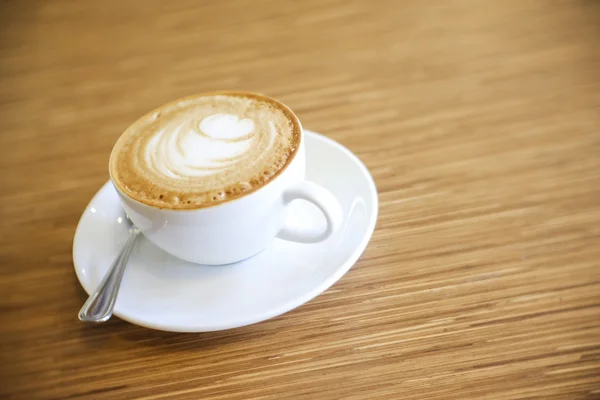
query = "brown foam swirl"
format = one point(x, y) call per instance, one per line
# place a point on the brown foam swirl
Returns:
point(204, 150)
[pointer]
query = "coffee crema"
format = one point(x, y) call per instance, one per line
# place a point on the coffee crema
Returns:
point(203, 150)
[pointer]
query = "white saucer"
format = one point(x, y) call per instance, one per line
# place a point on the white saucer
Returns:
point(162, 292)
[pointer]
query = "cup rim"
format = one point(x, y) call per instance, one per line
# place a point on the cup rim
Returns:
point(256, 95)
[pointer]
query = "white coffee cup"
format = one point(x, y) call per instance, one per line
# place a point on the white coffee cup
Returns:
point(240, 228)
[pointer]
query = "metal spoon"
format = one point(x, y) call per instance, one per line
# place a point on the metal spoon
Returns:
point(99, 306)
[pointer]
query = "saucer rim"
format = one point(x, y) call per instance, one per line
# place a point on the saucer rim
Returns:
point(271, 312)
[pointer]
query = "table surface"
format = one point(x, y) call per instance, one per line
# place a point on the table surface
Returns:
point(478, 120)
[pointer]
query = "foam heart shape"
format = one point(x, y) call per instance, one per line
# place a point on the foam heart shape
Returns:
point(226, 126)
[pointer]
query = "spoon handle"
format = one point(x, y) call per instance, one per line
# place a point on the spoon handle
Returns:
point(99, 306)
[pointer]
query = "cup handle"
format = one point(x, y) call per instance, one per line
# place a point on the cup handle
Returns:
point(324, 200)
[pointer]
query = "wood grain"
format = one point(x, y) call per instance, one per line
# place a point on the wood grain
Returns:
point(479, 121)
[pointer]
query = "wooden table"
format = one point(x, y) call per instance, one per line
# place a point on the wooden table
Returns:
point(479, 120)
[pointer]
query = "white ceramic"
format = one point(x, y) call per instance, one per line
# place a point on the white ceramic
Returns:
point(240, 228)
point(163, 292)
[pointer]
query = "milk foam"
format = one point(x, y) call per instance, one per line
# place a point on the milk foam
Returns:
point(185, 148)
point(226, 126)
point(204, 150)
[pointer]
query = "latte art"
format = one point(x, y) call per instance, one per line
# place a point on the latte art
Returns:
point(190, 148)
point(201, 151)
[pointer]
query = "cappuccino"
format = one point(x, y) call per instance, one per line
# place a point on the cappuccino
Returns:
point(203, 150)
